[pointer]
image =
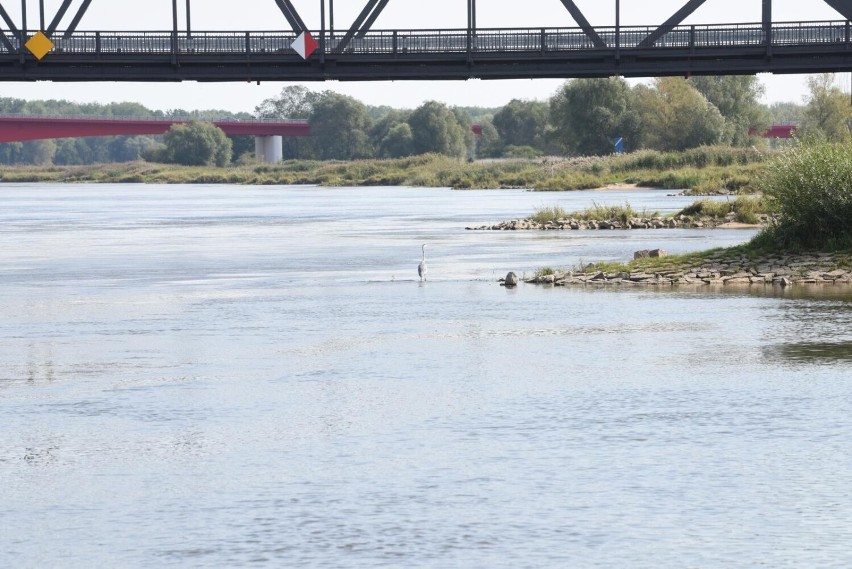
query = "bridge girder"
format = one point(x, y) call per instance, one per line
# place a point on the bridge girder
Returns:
point(361, 54)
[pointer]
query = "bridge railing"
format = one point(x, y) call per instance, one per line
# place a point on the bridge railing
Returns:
point(436, 42)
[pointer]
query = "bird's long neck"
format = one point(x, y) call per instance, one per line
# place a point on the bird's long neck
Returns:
point(424, 253)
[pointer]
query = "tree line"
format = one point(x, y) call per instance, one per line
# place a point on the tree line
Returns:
point(584, 117)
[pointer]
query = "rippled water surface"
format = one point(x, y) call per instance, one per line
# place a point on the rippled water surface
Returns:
point(223, 376)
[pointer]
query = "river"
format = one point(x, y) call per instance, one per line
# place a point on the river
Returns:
point(221, 376)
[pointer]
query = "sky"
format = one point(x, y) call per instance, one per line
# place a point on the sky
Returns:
point(257, 15)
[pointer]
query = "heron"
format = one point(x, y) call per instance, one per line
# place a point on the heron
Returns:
point(421, 268)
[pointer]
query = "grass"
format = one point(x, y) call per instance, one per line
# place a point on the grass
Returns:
point(746, 209)
point(597, 212)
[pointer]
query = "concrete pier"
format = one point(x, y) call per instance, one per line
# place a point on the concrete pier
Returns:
point(269, 148)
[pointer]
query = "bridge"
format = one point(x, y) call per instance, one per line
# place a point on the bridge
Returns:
point(267, 133)
point(361, 53)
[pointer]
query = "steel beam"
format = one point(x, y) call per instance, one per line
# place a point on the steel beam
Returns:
point(767, 22)
point(583, 23)
point(76, 20)
point(292, 16)
point(9, 23)
point(372, 19)
point(359, 27)
point(12, 28)
point(842, 6)
point(670, 24)
point(58, 18)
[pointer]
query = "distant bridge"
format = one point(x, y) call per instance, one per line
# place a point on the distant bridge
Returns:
point(363, 54)
point(22, 128)
point(267, 134)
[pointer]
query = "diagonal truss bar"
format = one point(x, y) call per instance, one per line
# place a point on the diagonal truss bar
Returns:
point(292, 16)
point(842, 6)
point(372, 19)
point(583, 23)
point(76, 21)
point(368, 12)
point(58, 18)
point(12, 28)
point(9, 23)
point(669, 24)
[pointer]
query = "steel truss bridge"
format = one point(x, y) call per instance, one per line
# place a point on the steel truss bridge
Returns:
point(359, 53)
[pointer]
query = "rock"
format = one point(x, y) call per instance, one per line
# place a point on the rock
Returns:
point(511, 280)
point(657, 253)
point(643, 254)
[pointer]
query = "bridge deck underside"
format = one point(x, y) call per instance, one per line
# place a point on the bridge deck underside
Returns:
point(418, 55)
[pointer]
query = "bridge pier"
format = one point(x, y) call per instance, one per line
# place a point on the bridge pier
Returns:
point(269, 148)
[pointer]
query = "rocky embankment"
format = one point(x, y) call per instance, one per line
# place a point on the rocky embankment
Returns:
point(575, 224)
point(779, 270)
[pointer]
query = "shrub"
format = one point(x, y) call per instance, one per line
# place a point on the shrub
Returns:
point(811, 186)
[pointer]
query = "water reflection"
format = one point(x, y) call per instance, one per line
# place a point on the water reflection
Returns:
point(811, 352)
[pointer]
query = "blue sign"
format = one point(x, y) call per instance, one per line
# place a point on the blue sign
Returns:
point(619, 145)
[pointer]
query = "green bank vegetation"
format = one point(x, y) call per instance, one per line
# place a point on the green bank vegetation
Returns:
point(742, 209)
point(705, 168)
point(808, 187)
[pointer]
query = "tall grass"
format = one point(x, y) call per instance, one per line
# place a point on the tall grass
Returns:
point(746, 209)
point(597, 212)
point(707, 167)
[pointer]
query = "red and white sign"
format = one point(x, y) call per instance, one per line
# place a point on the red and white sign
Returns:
point(304, 45)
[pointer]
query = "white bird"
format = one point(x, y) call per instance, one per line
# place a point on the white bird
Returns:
point(421, 268)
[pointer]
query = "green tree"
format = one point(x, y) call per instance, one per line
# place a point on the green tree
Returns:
point(827, 112)
point(488, 143)
point(786, 112)
point(523, 123)
point(197, 143)
point(586, 115)
point(391, 135)
point(339, 127)
point(737, 98)
point(435, 128)
point(675, 116)
point(294, 102)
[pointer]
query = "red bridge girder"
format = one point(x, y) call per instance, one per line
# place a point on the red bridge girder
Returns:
point(20, 129)
point(776, 131)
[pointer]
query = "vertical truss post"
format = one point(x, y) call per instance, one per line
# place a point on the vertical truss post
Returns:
point(188, 21)
point(322, 32)
point(471, 28)
point(617, 30)
point(174, 31)
point(41, 14)
point(767, 23)
point(23, 31)
point(331, 17)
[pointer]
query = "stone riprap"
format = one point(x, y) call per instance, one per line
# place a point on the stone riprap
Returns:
point(781, 270)
point(575, 224)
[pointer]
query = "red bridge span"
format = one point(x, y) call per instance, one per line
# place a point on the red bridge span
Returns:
point(20, 129)
point(267, 133)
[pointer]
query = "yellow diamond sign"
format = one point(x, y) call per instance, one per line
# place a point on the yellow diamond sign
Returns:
point(39, 45)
